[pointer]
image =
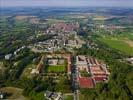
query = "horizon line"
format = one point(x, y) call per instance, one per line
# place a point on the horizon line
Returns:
point(65, 7)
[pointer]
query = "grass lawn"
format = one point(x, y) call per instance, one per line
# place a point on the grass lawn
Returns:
point(37, 96)
point(70, 97)
point(118, 43)
point(57, 68)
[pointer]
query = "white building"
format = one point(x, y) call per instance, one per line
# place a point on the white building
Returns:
point(8, 56)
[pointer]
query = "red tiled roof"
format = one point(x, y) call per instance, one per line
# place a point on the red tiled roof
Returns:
point(64, 27)
point(86, 82)
point(97, 70)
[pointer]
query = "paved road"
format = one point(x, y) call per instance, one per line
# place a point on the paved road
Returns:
point(75, 81)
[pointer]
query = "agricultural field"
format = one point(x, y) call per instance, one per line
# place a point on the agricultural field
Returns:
point(50, 21)
point(100, 18)
point(121, 43)
point(22, 17)
point(73, 16)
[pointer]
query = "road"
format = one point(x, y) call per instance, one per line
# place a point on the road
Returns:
point(75, 80)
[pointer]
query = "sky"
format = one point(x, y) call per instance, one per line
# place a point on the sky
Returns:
point(67, 3)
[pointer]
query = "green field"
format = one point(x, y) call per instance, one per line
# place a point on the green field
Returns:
point(51, 21)
point(56, 68)
point(70, 97)
point(128, 35)
point(118, 43)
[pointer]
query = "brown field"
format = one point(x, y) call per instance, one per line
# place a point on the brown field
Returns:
point(100, 18)
point(16, 93)
point(22, 17)
point(129, 42)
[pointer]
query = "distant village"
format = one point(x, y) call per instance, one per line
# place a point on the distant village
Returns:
point(65, 37)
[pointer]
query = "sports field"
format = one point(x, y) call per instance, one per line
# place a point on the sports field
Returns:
point(56, 68)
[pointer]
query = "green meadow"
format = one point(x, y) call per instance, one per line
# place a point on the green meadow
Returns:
point(120, 43)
